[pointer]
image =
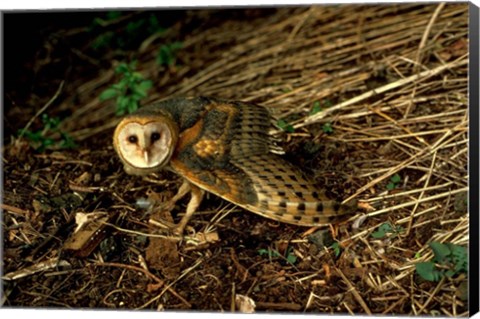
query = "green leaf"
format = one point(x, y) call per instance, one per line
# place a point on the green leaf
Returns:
point(108, 94)
point(164, 56)
point(459, 257)
point(144, 86)
point(427, 271)
point(382, 231)
point(122, 103)
point(327, 128)
point(50, 122)
point(291, 259)
point(154, 24)
point(166, 53)
point(122, 68)
point(378, 234)
point(134, 26)
point(29, 135)
point(45, 118)
point(136, 77)
point(34, 136)
point(48, 142)
point(270, 252)
point(285, 126)
point(132, 106)
point(138, 94)
point(316, 108)
point(336, 248)
point(399, 229)
point(262, 252)
point(391, 186)
point(396, 179)
point(67, 141)
point(103, 41)
point(441, 251)
point(97, 21)
point(386, 227)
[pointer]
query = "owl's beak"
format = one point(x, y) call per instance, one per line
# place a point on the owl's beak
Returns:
point(145, 156)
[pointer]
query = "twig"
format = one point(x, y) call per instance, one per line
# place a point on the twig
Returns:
point(425, 35)
point(425, 186)
point(13, 209)
point(430, 297)
point(31, 270)
point(185, 272)
point(354, 291)
point(54, 97)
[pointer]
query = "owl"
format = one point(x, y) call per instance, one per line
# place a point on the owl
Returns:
point(222, 147)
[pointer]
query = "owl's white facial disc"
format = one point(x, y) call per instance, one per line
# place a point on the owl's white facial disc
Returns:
point(145, 145)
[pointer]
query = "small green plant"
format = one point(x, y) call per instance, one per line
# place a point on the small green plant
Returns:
point(285, 126)
point(291, 258)
point(106, 39)
point(42, 139)
point(451, 260)
point(394, 181)
point(318, 107)
point(271, 253)
point(337, 248)
point(166, 53)
point(327, 128)
point(315, 108)
point(386, 229)
point(129, 90)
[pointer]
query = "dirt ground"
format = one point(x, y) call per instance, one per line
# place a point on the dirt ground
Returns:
point(373, 101)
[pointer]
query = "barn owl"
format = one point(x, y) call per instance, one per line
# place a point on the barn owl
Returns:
point(222, 147)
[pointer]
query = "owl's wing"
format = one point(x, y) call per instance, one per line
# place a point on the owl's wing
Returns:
point(227, 152)
point(271, 187)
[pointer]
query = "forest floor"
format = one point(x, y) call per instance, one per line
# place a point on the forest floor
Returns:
point(371, 101)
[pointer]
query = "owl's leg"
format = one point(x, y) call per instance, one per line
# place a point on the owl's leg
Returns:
point(195, 200)
point(182, 191)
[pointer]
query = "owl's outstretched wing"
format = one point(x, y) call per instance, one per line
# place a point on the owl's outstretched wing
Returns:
point(271, 187)
point(226, 152)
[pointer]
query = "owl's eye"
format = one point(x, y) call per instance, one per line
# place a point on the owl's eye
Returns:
point(132, 139)
point(155, 136)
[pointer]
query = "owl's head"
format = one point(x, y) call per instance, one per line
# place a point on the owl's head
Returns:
point(145, 143)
